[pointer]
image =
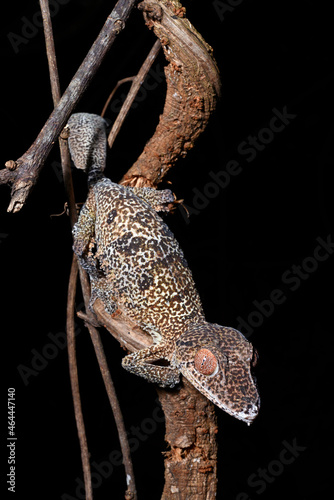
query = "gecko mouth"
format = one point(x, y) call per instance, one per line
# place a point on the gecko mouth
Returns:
point(160, 362)
point(248, 414)
point(245, 410)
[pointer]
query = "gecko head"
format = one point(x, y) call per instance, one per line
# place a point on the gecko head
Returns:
point(87, 141)
point(218, 361)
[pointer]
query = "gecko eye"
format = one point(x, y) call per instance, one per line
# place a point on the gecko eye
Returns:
point(205, 362)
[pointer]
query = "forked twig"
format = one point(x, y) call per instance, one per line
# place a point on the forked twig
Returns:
point(112, 93)
point(136, 84)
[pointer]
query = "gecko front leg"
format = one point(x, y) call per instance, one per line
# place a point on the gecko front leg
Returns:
point(85, 248)
point(140, 363)
point(161, 200)
point(84, 234)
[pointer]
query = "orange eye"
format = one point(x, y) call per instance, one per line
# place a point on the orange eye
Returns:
point(205, 362)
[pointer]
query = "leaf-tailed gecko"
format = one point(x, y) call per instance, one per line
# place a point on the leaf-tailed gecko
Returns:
point(136, 265)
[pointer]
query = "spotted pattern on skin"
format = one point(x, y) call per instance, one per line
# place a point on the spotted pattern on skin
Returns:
point(87, 133)
point(136, 266)
point(233, 387)
point(142, 262)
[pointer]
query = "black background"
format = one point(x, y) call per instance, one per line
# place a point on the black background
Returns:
point(271, 55)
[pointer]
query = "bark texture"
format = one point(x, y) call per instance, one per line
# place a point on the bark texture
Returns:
point(193, 88)
point(191, 429)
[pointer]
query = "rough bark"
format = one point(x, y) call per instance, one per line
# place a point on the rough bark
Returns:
point(193, 87)
point(191, 429)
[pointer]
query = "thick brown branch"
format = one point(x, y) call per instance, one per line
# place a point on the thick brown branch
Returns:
point(126, 331)
point(193, 87)
point(191, 429)
point(30, 164)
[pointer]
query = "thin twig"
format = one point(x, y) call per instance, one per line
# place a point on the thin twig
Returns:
point(70, 323)
point(50, 51)
point(136, 84)
point(56, 96)
point(96, 340)
point(112, 93)
point(72, 361)
point(131, 493)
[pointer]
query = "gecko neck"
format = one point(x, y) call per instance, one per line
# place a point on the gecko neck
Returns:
point(95, 174)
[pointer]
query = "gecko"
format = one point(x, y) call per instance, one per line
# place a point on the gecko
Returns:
point(136, 265)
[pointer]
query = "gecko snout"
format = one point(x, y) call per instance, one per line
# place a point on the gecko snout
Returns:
point(218, 361)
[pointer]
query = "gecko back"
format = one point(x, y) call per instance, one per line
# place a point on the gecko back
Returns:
point(142, 267)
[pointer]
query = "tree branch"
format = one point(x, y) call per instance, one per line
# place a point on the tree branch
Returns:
point(74, 379)
point(24, 172)
point(191, 431)
point(193, 88)
point(136, 84)
point(112, 93)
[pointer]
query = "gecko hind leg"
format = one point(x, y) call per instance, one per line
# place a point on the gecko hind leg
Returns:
point(100, 289)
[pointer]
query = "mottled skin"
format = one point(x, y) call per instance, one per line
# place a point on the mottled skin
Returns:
point(136, 266)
